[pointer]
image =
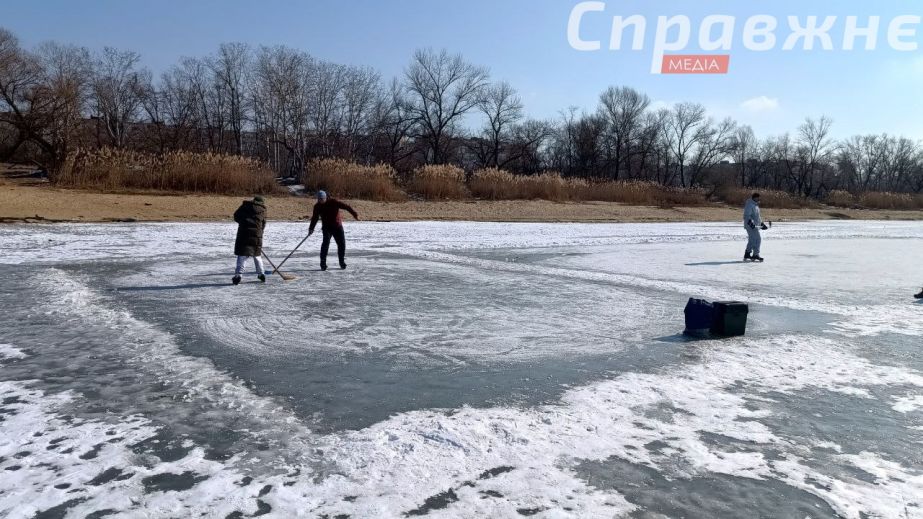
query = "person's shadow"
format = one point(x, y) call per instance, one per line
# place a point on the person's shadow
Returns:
point(714, 263)
point(681, 338)
point(157, 288)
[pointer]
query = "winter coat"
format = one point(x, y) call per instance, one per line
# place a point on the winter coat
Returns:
point(752, 213)
point(251, 219)
point(329, 214)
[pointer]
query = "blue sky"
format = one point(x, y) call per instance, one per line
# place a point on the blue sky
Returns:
point(525, 43)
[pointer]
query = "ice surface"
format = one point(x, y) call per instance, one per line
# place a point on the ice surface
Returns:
point(461, 369)
point(8, 351)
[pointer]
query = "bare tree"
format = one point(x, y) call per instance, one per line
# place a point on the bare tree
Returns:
point(743, 144)
point(282, 101)
point(577, 147)
point(118, 91)
point(42, 97)
point(172, 109)
point(230, 68)
point(502, 108)
point(361, 92)
point(784, 157)
point(527, 144)
point(393, 125)
point(684, 132)
point(442, 88)
point(653, 155)
point(714, 143)
point(325, 107)
point(622, 108)
point(816, 147)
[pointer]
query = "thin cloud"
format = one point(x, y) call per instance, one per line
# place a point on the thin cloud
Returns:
point(761, 104)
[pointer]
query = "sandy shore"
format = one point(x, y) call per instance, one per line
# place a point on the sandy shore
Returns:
point(41, 203)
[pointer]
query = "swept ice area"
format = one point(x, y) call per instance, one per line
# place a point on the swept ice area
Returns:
point(461, 369)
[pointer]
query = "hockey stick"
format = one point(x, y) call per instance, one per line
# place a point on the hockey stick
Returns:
point(293, 252)
point(285, 277)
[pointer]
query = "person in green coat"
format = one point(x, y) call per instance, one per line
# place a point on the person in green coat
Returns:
point(251, 220)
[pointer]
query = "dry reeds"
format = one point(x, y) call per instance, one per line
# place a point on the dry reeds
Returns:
point(125, 170)
point(179, 171)
point(875, 200)
point(636, 192)
point(438, 182)
point(342, 178)
point(492, 184)
point(769, 198)
point(497, 184)
point(840, 198)
point(885, 200)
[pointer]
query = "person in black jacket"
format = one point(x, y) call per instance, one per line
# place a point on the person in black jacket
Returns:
point(328, 211)
point(920, 295)
point(251, 220)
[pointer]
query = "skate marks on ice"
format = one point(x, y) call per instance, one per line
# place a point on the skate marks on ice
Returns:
point(417, 311)
point(352, 352)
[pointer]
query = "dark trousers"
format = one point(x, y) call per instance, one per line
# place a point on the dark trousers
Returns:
point(340, 237)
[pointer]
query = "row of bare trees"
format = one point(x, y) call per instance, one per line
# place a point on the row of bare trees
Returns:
point(625, 138)
point(284, 106)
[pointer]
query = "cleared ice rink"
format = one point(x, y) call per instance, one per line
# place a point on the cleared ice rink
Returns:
point(461, 369)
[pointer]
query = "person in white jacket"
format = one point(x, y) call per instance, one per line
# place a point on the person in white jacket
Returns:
point(753, 223)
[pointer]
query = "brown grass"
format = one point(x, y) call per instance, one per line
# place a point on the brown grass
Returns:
point(496, 184)
point(900, 201)
point(438, 182)
point(840, 198)
point(549, 186)
point(345, 179)
point(644, 193)
point(769, 199)
point(121, 170)
point(875, 200)
point(492, 184)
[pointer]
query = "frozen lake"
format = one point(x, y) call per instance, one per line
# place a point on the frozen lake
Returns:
point(459, 370)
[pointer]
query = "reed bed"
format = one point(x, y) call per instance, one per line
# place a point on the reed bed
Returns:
point(111, 169)
point(345, 179)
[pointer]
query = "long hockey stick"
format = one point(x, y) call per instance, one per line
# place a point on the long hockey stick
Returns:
point(275, 269)
point(293, 252)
